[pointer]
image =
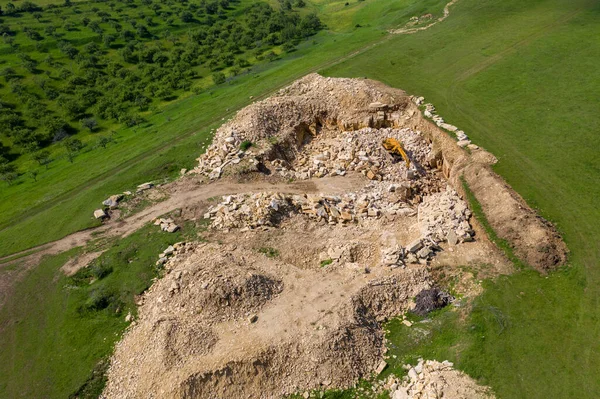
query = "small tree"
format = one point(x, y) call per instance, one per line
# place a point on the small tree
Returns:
point(218, 78)
point(43, 158)
point(8, 172)
point(187, 16)
point(72, 146)
point(33, 174)
point(104, 141)
point(8, 40)
point(108, 40)
point(89, 123)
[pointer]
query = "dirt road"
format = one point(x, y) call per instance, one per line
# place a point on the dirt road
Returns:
point(185, 192)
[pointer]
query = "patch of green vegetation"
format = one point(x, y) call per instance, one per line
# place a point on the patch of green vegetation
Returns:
point(87, 67)
point(435, 337)
point(326, 262)
point(363, 390)
point(245, 145)
point(92, 388)
point(59, 328)
point(269, 252)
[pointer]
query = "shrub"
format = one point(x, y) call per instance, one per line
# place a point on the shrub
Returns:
point(269, 252)
point(219, 78)
point(100, 270)
point(245, 145)
point(326, 262)
point(100, 298)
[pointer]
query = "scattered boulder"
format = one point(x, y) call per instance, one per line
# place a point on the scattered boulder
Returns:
point(433, 379)
point(144, 186)
point(431, 299)
point(113, 201)
point(463, 139)
point(100, 214)
point(166, 224)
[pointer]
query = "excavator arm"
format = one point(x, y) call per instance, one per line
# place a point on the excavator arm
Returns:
point(393, 146)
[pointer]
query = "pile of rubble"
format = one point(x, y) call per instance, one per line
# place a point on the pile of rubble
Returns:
point(171, 251)
point(435, 380)
point(463, 139)
point(444, 217)
point(280, 126)
point(359, 151)
point(268, 209)
point(166, 224)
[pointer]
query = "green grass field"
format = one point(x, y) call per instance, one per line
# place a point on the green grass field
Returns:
point(520, 78)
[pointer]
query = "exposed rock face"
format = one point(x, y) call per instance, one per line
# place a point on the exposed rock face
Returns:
point(281, 125)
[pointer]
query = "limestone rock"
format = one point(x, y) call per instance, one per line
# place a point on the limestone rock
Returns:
point(100, 214)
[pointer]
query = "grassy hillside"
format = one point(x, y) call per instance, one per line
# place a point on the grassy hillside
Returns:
point(519, 78)
point(57, 328)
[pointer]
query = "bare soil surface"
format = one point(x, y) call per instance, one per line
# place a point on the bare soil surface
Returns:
point(410, 27)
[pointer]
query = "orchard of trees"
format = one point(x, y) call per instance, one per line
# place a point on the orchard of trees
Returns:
point(69, 67)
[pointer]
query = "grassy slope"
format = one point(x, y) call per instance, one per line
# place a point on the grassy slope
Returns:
point(519, 78)
point(48, 348)
point(141, 155)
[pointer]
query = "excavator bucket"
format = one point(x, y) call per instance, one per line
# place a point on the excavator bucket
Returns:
point(394, 147)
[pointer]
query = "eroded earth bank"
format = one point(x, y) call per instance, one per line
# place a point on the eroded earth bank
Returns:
point(335, 234)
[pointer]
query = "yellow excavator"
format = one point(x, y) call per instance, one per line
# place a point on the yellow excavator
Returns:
point(394, 147)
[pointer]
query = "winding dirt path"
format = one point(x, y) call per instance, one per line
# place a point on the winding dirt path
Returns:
point(184, 192)
point(409, 31)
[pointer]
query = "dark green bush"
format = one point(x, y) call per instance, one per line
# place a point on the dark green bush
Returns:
point(245, 145)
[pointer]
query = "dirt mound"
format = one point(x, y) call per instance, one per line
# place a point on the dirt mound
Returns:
point(281, 125)
point(291, 289)
point(321, 329)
